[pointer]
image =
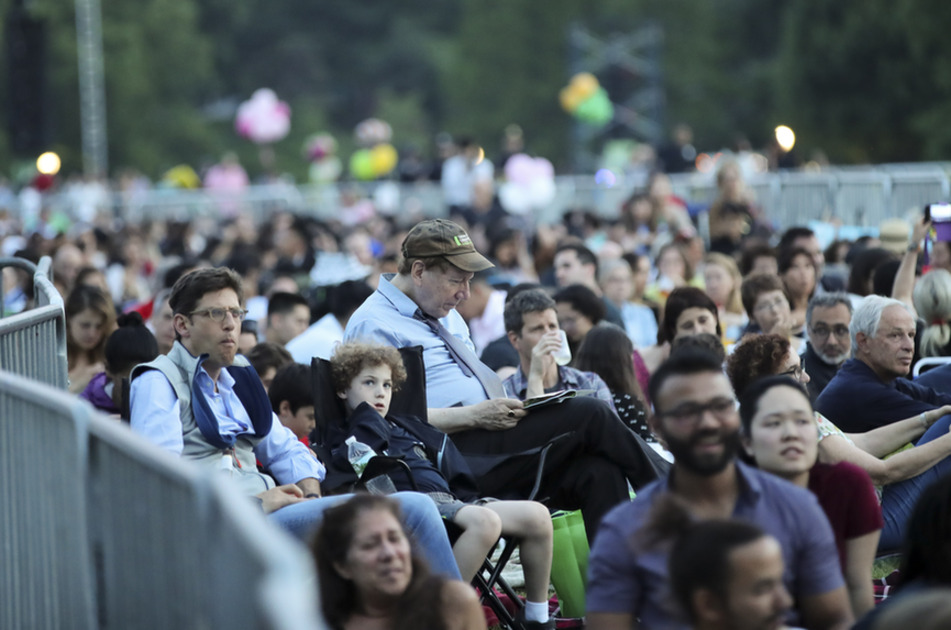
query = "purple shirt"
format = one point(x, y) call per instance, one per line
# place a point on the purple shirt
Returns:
point(622, 579)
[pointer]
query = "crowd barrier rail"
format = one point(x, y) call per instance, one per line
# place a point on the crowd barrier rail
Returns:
point(33, 342)
point(102, 530)
point(860, 195)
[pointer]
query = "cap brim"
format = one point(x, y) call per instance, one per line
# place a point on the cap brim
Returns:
point(471, 262)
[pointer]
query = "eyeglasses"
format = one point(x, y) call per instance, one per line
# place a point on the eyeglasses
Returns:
point(822, 332)
point(771, 305)
point(218, 314)
point(691, 413)
point(795, 371)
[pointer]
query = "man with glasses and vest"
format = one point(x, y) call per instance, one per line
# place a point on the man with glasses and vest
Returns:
point(594, 455)
point(204, 402)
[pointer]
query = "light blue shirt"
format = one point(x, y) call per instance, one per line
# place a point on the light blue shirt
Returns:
point(640, 324)
point(387, 317)
point(318, 340)
point(155, 416)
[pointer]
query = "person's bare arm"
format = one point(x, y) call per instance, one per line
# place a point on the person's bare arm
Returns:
point(904, 284)
point(827, 611)
point(883, 440)
point(497, 414)
point(611, 621)
point(898, 467)
point(461, 607)
point(859, 556)
point(543, 360)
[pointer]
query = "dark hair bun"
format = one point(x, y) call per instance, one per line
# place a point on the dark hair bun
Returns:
point(132, 318)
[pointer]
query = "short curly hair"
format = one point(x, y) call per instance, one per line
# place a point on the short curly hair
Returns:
point(350, 358)
point(756, 356)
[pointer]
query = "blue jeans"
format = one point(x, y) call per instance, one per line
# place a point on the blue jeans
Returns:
point(420, 517)
point(898, 499)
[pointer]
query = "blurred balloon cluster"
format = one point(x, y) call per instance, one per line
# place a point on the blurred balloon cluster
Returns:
point(263, 119)
point(584, 98)
point(320, 150)
point(529, 184)
point(376, 157)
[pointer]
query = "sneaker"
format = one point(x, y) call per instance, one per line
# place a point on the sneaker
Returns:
point(534, 625)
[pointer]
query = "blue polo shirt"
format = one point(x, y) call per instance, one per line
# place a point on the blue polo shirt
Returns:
point(623, 579)
point(387, 317)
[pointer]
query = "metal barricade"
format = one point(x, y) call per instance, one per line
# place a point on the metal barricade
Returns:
point(861, 197)
point(45, 561)
point(33, 342)
point(105, 530)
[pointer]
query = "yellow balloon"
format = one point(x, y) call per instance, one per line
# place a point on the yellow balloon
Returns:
point(569, 99)
point(383, 157)
point(585, 84)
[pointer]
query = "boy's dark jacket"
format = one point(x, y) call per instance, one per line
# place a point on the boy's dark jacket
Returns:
point(369, 427)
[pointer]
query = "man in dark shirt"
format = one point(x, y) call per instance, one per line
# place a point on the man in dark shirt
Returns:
point(868, 390)
point(827, 330)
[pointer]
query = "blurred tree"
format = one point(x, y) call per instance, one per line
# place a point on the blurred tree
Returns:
point(870, 81)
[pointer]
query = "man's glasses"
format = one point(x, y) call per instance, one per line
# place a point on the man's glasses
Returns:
point(823, 332)
point(691, 413)
point(218, 314)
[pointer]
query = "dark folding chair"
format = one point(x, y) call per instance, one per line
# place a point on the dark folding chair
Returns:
point(410, 400)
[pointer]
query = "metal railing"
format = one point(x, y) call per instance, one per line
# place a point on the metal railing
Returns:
point(33, 342)
point(106, 531)
point(861, 196)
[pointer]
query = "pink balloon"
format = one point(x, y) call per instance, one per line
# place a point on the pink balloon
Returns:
point(542, 169)
point(519, 168)
point(263, 119)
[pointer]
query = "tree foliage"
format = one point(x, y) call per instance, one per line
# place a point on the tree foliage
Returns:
point(866, 81)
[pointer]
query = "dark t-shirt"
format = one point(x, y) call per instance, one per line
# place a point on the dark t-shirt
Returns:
point(847, 496)
point(856, 400)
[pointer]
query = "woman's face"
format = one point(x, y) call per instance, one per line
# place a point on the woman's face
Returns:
point(771, 308)
point(641, 275)
point(719, 283)
point(784, 438)
point(575, 324)
point(695, 321)
point(378, 562)
point(800, 278)
point(671, 264)
point(85, 327)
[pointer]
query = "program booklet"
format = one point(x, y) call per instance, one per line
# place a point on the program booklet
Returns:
point(554, 398)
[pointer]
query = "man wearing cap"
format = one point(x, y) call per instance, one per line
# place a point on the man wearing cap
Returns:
point(594, 455)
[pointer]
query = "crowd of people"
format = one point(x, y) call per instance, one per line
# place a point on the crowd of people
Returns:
point(753, 393)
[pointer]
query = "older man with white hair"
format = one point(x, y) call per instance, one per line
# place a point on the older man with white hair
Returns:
point(869, 390)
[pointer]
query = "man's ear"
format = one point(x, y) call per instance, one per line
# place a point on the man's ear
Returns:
point(706, 607)
point(416, 270)
point(654, 423)
point(861, 339)
point(180, 323)
point(342, 395)
point(513, 337)
point(284, 409)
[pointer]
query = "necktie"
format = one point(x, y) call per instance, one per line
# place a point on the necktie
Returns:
point(465, 358)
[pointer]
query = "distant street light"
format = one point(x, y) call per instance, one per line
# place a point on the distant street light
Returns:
point(785, 138)
point(48, 163)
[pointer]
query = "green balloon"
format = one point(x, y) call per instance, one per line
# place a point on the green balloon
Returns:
point(361, 164)
point(597, 109)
